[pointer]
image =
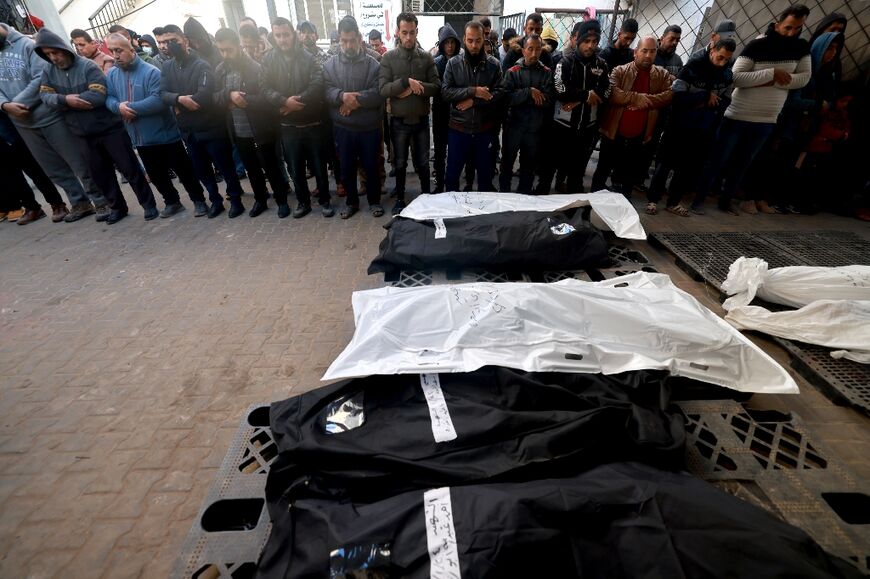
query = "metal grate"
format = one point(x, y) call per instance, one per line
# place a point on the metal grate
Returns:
point(623, 260)
point(653, 16)
point(409, 279)
point(515, 21)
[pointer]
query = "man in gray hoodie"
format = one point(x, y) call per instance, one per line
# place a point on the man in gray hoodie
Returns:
point(56, 149)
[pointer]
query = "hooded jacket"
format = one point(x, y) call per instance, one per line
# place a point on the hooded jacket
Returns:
point(460, 78)
point(515, 52)
point(827, 21)
point(260, 113)
point(192, 76)
point(301, 76)
point(440, 107)
point(699, 78)
point(21, 71)
point(397, 66)
point(574, 78)
point(523, 113)
point(83, 78)
point(343, 74)
point(139, 86)
point(193, 29)
point(621, 82)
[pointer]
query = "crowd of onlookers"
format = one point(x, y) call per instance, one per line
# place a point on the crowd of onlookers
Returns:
point(773, 128)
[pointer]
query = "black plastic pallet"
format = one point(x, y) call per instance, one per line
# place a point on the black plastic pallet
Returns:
point(233, 524)
point(707, 257)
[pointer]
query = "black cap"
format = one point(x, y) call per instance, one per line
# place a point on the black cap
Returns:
point(509, 33)
point(307, 26)
point(587, 27)
point(629, 25)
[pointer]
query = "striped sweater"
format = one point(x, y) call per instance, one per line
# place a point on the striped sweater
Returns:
point(754, 102)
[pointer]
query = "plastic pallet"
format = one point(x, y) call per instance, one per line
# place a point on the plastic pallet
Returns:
point(415, 278)
point(773, 460)
point(233, 524)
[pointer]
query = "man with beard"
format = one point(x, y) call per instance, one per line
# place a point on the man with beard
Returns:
point(639, 90)
point(448, 47)
point(666, 55)
point(355, 103)
point(620, 51)
point(87, 47)
point(534, 25)
point(292, 82)
point(529, 89)
point(251, 121)
point(472, 86)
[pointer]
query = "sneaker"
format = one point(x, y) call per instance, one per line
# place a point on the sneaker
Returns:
point(302, 210)
point(30, 216)
point(15, 215)
point(79, 211)
point(215, 210)
point(348, 211)
point(171, 210)
point(102, 212)
point(377, 210)
point(115, 216)
point(200, 209)
point(58, 212)
point(236, 209)
point(151, 213)
point(3, 216)
point(257, 209)
point(397, 208)
point(749, 207)
point(763, 207)
point(326, 209)
point(283, 210)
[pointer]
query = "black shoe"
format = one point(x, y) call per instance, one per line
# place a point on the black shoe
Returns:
point(393, 172)
point(116, 216)
point(215, 210)
point(236, 209)
point(302, 210)
point(218, 178)
point(101, 212)
point(348, 211)
point(283, 210)
point(397, 208)
point(151, 213)
point(200, 209)
point(171, 210)
point(257, 209)
point(242, 176)
point(172, 174)
point(326, 209)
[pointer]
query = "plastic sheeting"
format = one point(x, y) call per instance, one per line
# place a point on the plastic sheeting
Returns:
point(794, 286)
point(614, 209)
point(840, 324)
point(639, 321)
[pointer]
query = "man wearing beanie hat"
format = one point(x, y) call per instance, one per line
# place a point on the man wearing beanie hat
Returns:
point(534, 25)
point(620, 51)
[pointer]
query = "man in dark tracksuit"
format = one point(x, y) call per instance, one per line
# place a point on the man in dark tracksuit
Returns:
point(355, 103)
point(188, 85)
point(529, 88)
point(473, 87)
point(292, 82)
point(582, 84)
point(251, 121)
point(76, 87)
point(448, 47)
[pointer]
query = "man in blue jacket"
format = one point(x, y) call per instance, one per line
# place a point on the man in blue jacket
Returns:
point(355, 103)
point(134, 94)
point(76, 87)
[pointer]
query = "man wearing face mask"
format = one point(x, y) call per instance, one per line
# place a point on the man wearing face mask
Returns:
point(251, 121)
point(187, 84)
point(473, 87)
point(355, 103)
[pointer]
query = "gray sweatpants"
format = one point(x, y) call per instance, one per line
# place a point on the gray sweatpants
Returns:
point(62, 156)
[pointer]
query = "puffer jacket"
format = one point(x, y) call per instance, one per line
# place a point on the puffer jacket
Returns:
point(21, 71)
point(621, 82)
point(139, 86)
point(574, 78)
point(342, 74)
point(83, 78)
point(518, 83)
point(460, 78)
point(300, 76)
point(397, 66)
point(193, 76)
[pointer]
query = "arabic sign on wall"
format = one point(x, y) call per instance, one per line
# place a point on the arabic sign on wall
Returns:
point(375, 15)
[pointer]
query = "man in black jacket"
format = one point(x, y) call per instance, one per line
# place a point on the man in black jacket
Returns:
point(251, 121)
point(534, 25)
point(620, 52)
point(472, 86)
point(582, 84)
point(355, 103)
point(292, 82)
point(529, 89)
point(448, 47)
point(187, 84)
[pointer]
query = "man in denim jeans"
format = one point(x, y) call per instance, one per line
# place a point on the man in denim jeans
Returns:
point(409, 79)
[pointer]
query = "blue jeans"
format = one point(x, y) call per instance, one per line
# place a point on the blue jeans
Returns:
point(415, 137)
point(220, 152)
point(459, 146)
point(303, 144)
point(737, 144)
point(359, 148)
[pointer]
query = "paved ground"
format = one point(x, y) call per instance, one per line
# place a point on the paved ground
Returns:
point(128, 354)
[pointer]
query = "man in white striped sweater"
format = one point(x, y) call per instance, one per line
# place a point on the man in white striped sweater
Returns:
point(767, 69)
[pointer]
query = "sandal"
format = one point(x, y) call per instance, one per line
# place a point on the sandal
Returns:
point(678, 210)
point(652, 209)
point(377, 210)
point(347, 211)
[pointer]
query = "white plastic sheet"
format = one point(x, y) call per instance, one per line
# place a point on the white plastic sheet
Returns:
point(841, 324)
point(639, 321)
point(794, 286)
point(614, 209)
